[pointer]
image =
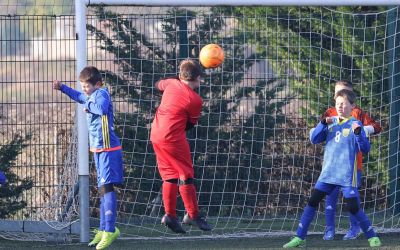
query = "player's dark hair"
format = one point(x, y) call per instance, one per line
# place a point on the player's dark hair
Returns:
point(348, 94)
point(189, 70)
point(345, 83)
point(90, 75)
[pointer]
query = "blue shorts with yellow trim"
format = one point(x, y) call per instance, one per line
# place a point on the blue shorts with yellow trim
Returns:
point(109, 167)
point(348, 192)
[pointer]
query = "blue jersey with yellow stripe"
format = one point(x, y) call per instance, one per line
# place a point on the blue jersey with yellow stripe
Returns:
point(339, 165)
point(100, 118)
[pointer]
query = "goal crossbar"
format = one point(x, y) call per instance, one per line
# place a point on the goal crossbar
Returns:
point(247, 2)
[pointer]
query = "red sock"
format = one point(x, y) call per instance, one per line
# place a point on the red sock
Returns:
point(188, 194)
point(169, 192)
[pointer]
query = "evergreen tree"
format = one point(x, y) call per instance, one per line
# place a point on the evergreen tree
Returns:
point(230, 146)
point(320, 46)
point(315, 47)
point(11, 193)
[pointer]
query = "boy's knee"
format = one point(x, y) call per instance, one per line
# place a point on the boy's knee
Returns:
point(173, 181)
point(188, 181)
point(316, 198)
point(352, 204)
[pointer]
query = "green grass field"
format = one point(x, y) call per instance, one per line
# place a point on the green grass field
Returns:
point(389, 241)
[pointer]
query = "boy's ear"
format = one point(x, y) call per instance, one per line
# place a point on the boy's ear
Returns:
point(99, 84)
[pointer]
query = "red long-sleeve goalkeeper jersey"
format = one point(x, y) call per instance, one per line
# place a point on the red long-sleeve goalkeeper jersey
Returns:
point(179, 105)
point(360, 115)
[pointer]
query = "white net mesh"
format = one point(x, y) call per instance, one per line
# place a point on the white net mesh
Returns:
point(62, 207)
point(254, 164)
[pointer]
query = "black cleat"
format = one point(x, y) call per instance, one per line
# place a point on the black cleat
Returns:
point(199, 222)
point(173, 224)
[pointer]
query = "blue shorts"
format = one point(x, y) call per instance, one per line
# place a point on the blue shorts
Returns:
point(109, 167)
point(348, 192)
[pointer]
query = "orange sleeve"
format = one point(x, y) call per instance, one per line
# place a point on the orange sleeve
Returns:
point(367, 120)
point(329, 112)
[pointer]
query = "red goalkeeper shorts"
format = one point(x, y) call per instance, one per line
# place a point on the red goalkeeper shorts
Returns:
point(174, 160)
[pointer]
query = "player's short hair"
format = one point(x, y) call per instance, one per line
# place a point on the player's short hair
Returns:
point(345, 83)
point(90, 75)
point(189, 70)
point(348, 94)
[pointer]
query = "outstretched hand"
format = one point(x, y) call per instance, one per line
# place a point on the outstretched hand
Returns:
point(57, 85)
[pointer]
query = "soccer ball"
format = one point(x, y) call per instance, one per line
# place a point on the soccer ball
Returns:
point(211, 56)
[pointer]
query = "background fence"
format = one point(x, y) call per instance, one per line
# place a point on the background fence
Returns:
point(254, 163)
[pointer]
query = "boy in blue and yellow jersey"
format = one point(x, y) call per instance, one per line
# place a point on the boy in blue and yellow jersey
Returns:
point(344, 139)
point(370, 127)
point(104, 144)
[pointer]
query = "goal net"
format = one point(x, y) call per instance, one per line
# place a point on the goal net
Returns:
point(254, 164)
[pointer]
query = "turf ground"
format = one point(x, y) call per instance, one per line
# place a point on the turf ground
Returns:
point(389, 241)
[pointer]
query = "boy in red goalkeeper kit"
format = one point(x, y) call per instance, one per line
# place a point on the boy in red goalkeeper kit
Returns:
point(178, 112)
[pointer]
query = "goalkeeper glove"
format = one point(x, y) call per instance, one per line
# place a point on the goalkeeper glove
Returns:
point(356, 128)
point(328, 120)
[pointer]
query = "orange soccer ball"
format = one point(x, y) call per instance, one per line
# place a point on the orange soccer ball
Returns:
point(211, 56)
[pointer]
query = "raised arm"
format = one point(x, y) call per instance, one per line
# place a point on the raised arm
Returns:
point(72, 93)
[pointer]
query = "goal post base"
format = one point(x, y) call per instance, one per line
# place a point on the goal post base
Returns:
point(25, 226)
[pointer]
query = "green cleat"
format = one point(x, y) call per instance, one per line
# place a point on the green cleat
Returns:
point(97, 238)
point(374, 242)
point(295, 242)
point(107, 239)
